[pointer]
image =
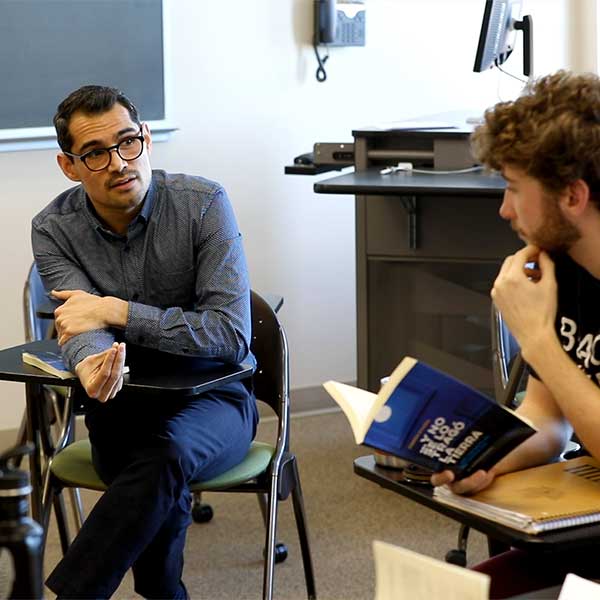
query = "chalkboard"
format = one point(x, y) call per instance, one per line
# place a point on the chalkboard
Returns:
point(49, 48)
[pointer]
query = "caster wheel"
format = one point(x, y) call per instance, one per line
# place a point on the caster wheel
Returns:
point(457, 557)
point(281, 552)
point(202, 513)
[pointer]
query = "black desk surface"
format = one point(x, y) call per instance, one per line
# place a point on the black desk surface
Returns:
point(454, 127)
point(150, 372)
point(558, 540)
point(310, 169)
point(371, 181)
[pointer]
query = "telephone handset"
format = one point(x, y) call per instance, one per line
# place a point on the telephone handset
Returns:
point(325, 21)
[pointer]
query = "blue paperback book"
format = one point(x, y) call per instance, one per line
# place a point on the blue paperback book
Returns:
point(432, 420)
point(51, 362)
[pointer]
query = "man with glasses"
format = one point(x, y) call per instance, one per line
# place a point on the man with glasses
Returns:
point(153, 261)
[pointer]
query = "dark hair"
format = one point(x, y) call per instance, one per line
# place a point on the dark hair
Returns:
point(552, 132)
point(91, 100)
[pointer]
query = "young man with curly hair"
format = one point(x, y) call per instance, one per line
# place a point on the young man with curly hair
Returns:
point(546, 144)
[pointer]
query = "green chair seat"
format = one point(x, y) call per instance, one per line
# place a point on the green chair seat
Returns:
point(73, 466)
point(256, 462)
point(61, 390)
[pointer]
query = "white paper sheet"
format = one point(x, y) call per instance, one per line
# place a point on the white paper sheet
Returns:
point(403, 574)
point(578, 588)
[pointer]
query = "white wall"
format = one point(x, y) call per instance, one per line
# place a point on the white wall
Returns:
point(246, 101)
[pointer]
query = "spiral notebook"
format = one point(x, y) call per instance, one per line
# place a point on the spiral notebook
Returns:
point(553, 496)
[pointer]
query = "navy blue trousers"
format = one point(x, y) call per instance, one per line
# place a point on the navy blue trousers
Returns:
point(148, 450)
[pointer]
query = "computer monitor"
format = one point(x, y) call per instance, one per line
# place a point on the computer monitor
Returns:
point(498, 35)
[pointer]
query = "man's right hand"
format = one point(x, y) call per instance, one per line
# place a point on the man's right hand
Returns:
point(469, 485)
point(101, 375)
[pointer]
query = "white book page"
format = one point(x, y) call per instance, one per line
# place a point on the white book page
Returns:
point(578, 588)
point(402, 573)
point(355, 403)
point(360, 406)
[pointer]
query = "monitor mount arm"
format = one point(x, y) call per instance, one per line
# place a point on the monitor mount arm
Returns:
point(526, 26)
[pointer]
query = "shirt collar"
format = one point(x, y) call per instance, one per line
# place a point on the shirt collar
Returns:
point(149, 202)
point(143, 217)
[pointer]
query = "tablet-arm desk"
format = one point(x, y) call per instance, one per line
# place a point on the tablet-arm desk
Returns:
point(177, 377)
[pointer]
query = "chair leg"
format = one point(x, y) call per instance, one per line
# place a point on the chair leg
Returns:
point(271, 533)
point(44, 520)
point(77, 507)
point(22, 435)
point(58, 502)
point(281, 551)
point(263, 503)
point(300, 514)
point(458, 556)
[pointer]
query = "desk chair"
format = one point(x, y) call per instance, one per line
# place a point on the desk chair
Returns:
point(269, 470)
point(508, 372)
point(36, 328)
point(508, 368)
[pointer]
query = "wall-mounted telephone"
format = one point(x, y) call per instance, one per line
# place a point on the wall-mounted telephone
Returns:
point(325, 21)
point(338, 23)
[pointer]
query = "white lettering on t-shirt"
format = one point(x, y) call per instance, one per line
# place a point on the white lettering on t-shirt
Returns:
point(586, 350)
point(568, 329)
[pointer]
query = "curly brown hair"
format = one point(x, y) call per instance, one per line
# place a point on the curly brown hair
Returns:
point(552, 132)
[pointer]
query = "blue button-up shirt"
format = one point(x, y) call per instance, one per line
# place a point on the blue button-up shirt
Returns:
point(181, 267)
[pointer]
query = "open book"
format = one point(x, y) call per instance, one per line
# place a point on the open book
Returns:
point(51, 362)
point(432, 420)
point(562, 494)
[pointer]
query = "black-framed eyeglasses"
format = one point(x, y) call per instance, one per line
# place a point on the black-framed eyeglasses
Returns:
point(98, 159)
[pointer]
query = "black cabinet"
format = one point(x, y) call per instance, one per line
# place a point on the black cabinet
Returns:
point(428, 247)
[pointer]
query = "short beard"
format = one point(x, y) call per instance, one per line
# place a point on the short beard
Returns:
point(556, 235)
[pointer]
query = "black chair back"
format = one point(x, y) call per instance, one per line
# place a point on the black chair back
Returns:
point(269, 347)
point(507, 364)
point(271, 378)
point(34, 295)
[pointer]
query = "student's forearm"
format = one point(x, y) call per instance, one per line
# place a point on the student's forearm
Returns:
point(575, 394)
point(541, 448)
point(553, 430)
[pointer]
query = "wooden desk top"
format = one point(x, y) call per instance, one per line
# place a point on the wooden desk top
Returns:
point(150, 371)
point(562, 540)
point(370, 181)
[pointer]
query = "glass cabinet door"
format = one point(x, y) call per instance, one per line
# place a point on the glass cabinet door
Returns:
point(435, 310)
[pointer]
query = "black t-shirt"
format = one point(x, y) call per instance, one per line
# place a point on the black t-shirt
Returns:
point(578, 317)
